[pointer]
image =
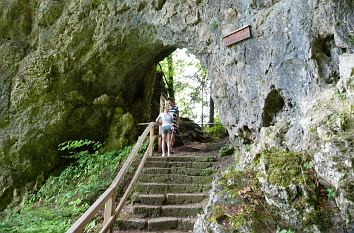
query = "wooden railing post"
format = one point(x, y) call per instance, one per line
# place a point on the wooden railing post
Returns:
point(109, 210)
point(107, 199)
point(152, 139)
point(159, 140)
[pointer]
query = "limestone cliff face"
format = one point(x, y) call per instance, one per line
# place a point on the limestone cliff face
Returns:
point(66, 66)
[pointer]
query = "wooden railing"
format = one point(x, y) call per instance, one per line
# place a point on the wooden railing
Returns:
point(107, 199)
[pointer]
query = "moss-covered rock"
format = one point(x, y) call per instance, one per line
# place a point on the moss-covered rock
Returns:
point(283, 168)
point(67, 65)
point(243, 208)
point(121, 131)
point(289, 183)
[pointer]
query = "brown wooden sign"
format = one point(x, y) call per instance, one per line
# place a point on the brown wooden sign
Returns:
point(238, 35)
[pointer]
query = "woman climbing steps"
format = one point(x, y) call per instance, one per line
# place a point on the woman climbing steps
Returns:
point(166, 119)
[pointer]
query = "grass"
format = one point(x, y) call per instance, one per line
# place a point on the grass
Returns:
point(62, 199)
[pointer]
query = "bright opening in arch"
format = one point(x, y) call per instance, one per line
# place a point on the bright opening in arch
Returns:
point(191, 84)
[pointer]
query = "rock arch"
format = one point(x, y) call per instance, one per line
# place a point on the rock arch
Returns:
point(68, 68)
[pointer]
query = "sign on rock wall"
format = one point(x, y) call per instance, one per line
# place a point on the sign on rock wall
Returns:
point(238, 35)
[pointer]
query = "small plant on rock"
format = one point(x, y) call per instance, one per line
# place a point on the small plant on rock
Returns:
point(214, 25)
point(226, 151)
point(284, 230)
point(331, 193)
point(308, 165)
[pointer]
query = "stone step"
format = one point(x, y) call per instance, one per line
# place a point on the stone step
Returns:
point(148, 211)
point(166, 164)
point(178, 170)
point(149, 188)
point(168, 195)
point(155, 224)
point(175, 178)
point(140, 231)
point(169, 198)
point(182, 158)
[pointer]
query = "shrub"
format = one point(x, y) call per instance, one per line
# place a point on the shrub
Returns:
point(65, 197)
point(216, 132)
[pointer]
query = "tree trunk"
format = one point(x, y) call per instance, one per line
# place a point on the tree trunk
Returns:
point(202, 105)
point(211, 110)
point(170, 74)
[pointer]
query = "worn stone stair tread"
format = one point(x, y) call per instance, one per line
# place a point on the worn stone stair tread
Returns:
point(159, 224)
point(170, 206)
point(176, 170)
point(175, 164)
point(183, 158)
point(137, 231)
point(166, 184)
point(169, 198)
point(168, 195)
point(170, 187)
point(177, 178)
point(179, 210)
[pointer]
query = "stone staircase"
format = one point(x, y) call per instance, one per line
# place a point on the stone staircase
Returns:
point(168, 195)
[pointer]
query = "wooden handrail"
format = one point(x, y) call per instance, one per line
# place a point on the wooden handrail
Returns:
point(122, 201)
point(107, 198)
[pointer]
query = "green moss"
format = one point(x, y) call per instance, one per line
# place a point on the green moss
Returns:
point(347, 188)
point(243, 216)
point(246, 208)
point(4, 123)
point(121, 130)
point(319, 217)
point(226, 151)
point(351, 38)
point(217, 214)
point(233, 181)
point(284, 168)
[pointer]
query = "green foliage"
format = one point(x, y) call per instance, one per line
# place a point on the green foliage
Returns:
point(190, 84)
point(216, 131)
point(308, 165)
point(214, 25)
point(167, 67)
point(143, 148)
point(340, 95)
point(226, 151)
point(331, 193)
point(284, 230)
point(65, 197)
point(79, 145)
